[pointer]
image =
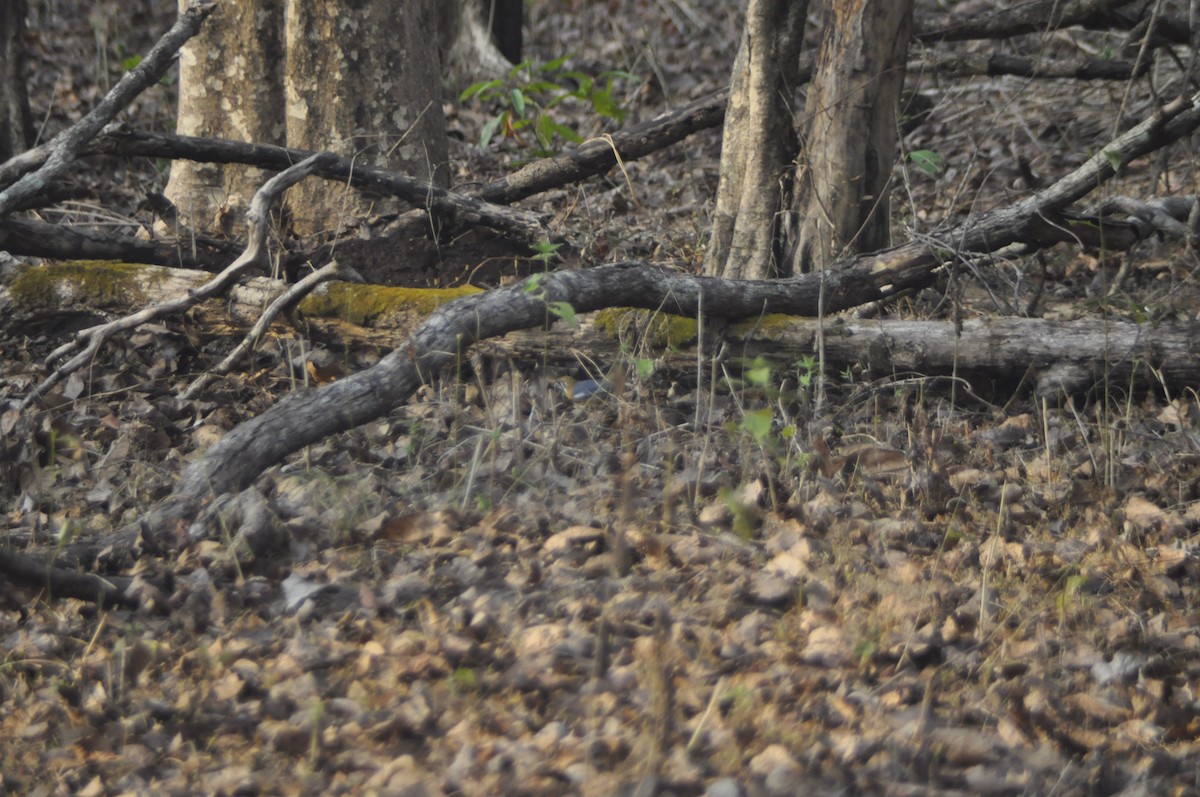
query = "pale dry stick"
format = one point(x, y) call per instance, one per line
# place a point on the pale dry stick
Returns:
point(717, 691)
point(330, 271)
point(61, 152)
point(88, 341)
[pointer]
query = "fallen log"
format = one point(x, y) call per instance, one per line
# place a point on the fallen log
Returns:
point(1002, 351)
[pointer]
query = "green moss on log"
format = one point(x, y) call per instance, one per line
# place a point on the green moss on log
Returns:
point(364, 304)
point(767, 327)
point(95, 283)
point(659, 330)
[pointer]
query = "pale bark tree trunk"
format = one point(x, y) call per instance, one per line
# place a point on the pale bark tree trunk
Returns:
point(230, 86)
point(359, 79)
point(847, 153)
point(363, 80)
point(16, 122)
point(758, 142)
point(466, 29)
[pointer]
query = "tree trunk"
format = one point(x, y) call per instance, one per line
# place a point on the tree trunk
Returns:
point(359, 79)
point(230, 86)
point(16, 122)
point(845, 164)
point(466, 31)
point(758, 142)
point(363, 80)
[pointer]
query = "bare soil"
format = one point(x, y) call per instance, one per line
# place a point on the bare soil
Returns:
point(754, 579)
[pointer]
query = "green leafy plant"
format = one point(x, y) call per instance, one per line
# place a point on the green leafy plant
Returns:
point(927, 161)
point(545, 252)
point(527, 97)
point(563, 311)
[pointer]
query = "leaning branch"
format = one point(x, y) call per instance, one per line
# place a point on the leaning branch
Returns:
point(457, 209)
point(1038, 16)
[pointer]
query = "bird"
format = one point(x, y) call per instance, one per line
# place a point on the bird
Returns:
point(583, 390)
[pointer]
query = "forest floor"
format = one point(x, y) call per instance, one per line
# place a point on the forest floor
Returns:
point(892, 587)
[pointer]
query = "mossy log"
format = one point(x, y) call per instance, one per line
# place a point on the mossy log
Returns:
point(1053, 356)
point(62, 295)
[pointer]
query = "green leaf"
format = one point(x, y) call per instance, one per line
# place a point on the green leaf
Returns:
point(1114, 159)
point(130, 62)
point(518, 101)
point(644, 367)
point(540, 87)
point(559, 99)
point(544, 129)
point(927, 161)
point(489, 129)
point(545, 249)
point(564, 311)
point(516, 70)
point(758, 423)
point(604, 104)
point(534, 283)
point(551, 66)
point(759, 372)
point(478, 88)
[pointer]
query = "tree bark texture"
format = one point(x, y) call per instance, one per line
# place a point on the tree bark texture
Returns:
point(362, 80)
point(358, 79)
point(758, 142)
point(849, 141)
point(230, 86)
point(16, 122)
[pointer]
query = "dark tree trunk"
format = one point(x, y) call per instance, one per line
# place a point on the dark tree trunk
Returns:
point(16, 122)
point(505, 18)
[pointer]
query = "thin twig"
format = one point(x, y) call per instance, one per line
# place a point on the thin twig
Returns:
point(331, 271)
point(88, 341)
